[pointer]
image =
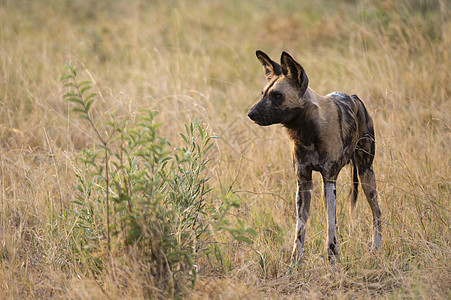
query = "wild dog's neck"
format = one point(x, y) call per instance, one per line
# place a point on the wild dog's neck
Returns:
point(303, 129)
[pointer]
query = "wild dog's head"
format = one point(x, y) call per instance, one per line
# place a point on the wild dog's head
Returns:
point(283, 97)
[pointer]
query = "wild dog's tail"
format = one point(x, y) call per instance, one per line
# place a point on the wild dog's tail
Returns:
point(354, 188)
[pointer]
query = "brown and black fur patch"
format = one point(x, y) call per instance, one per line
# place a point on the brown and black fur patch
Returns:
point(327, 132)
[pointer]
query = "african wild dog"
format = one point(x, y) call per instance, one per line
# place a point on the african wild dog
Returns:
point(327, 132)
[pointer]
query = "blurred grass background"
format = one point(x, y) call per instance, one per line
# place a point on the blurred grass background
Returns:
point(190, 59)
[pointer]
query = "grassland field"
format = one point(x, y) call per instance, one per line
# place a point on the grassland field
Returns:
point(196, 59)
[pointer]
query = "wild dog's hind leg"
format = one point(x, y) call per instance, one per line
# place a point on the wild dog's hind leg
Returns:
point(330, 193)
point(303, 196)
point(364, 157)
point(368, 181)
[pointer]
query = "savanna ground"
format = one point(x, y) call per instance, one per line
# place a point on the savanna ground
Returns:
point(188, 59)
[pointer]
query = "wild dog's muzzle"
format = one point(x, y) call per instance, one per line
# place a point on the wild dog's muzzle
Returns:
point(253, 114)
point(264, 113)
point(259, 117)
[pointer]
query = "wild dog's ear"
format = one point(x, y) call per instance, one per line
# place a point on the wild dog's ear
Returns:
point(294, 71)
point(272, 69)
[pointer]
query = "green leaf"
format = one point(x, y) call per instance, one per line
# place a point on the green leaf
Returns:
point(66, 76)
point(92, 95)
point(71, 94)
point(84, 89)
point(251, 231)
point(78, 202)
point(184, 138)
point(74, 212)
point(88, 104)
point(84, 82)
point(69, 84)
point(75, 100)
point(79, 110)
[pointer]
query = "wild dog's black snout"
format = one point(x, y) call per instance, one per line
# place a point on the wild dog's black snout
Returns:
point(262, 116)
point(256, 114)
point(252, 114)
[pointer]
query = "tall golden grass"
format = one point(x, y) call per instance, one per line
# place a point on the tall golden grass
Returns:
point(190, 59)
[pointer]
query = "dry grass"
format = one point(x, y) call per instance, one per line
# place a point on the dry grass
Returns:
point(196, 59)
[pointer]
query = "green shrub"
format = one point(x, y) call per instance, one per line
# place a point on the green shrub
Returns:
point(139, 201)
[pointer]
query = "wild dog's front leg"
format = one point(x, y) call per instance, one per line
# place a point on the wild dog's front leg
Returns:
point(303, 196)
point(330, 195)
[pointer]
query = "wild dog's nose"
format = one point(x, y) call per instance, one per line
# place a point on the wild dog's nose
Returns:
point(252, 114)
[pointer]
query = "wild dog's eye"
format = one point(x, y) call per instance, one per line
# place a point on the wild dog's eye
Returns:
point(277, 97)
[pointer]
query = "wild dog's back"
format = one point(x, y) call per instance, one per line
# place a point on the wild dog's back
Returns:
point(353, 119)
